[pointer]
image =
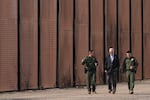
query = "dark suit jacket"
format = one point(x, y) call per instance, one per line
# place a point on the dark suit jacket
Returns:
point(112, 66)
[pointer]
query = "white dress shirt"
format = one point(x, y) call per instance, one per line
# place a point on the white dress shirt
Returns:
point(112, 58)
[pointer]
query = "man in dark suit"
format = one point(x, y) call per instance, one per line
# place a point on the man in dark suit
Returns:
point(111, 69)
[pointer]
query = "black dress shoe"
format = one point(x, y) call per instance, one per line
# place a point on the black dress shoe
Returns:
point(109, 91)
point(89, 92)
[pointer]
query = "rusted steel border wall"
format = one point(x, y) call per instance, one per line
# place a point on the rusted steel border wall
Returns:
point(42, 42)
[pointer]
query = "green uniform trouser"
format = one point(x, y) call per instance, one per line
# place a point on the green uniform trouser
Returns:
point(130, 78)
point(91, 80)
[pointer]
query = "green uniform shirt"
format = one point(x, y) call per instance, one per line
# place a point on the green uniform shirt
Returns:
point(128, 62)
point(89, 63)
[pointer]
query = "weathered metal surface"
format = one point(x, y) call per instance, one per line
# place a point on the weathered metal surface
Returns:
point(81, 38)
point(124, 29)
point(73, 42)
point(8, 45)
point(65, 70)
point(48, 43)
point(146, 38)
point(136, 34)
point(111, 25)
point(97, 36)
point(29, 44)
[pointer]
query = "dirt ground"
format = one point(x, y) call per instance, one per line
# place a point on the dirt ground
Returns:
point(142, 92)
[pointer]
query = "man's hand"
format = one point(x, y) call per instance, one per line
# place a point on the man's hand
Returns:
point(105, 71)
point(82, 60)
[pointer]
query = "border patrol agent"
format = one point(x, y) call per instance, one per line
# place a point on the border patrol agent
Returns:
point(90, 63)
point(130, 67)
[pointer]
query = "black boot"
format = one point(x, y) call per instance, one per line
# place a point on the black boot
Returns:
point(93, 89)
point(89, 91)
